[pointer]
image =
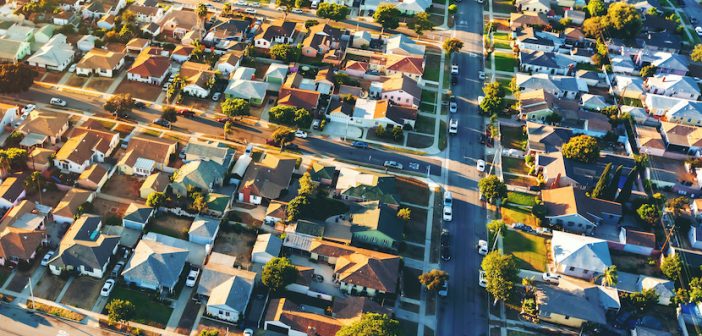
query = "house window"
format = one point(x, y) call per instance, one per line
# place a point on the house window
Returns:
point(226, 314)
point(572, 268)
point(221, 312)
point(567, 317)
point(585, 271)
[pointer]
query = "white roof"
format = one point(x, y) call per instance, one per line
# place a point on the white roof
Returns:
point(243, 73)
point(267, 244)
point(365, 108)
point(144, 164)
point(54, 53)
point(277, 70)
point(582, 252)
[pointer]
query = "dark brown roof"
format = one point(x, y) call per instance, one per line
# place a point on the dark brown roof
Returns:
point(20, 243)
point(290, 314)
point(278, 28)
point(306, 99)
point(269, 177)
point(640, 238)
point(399, 113)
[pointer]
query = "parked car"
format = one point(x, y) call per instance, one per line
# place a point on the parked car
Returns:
point(248, 332)
point(551, 278)
point(224, 120)
point(523, 227)
point(139, 105)
point(453, 126)
point(483, 247)
point(316, 123)
point(192, 277)
point(535, 188)
point(250, 11)
point(301, 134)
point(162, 122)
point(107, 287)
point(58, 102)
point(543, 230)
point(445, 253)
point(698, 29)
point(480, 99)
point(392, 164)
point(482, 279)
point(480, 165)
point(249, 149)
point(47, 257)
point(453, 107)
point(454, 79)
point(216, 96)
point(360, 144)
point(241, 3)
point(28, 108)
point(448, 199)
point(481, 75)
point(448, 214)
point(454, 69)
point(297, 11)
point(186, 113)
point(118, 267)
point(443, 291)
point(282, 8)
point(445, 237)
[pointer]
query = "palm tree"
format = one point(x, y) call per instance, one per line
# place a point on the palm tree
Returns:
point(34, 182)
point(609, 277)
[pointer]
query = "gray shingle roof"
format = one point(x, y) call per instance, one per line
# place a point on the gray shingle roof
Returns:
point(155, 262)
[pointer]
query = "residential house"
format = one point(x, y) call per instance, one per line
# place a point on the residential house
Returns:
point(101, 62)
point(358, 271)
point(299, 98)
point(241, 85)
point(637, 242)
point(228, 63)
point(636, 283)
point(576, 16)
point(267, 247)
point(361, 39)
point(13, 50)
point(150, 67)
point(156, 182)
point(196, 253)
point(694, 235)
point(65, 17)
point(22, 232)
point(179, 23)
point(579, 256)
point(285, 316)
point(408, 7)
point(560, 172)
point(320, 39)
point(57, 54)
point(395, 65)
point(100, 8)
point(276, 73)
point(356, 68)
point(650, 140)
point(204, 230)
point(266, 179)
point(86, 43)
point(376, 225)
point(40, 159)
point(673, 86)
point(208, 150)
point(401, 44)
point(681, 138)
point(527, 19)
point(182, 53)
point(628, 87)
point(278, 32)
point(543, 138)
point(146, 14)
point(559, 86)
point(664, 41)
point(137, 45)
point(137, 216)
point(199, 79)
point(275, 213)
point(12, 191)
point(545, 62)
point(302, 233)
point(217, 204)
point(530, 39)
point(84, 249)
point(8, 114)
point(670, 63)
point(107, 22)
point(623, 65)
point(85, 147)
point(576, 212)
point(93, 178)
point(573, 303)
point(67, 209)
point(322, 174)
point(371, 113)
point(229, 30)
point(355, 186)
point(201, 174)
point(146, 153)
point(43, 128)
point(536, 6)
point(155, 265)
point(593, 102)
point(400, 90)
point(225, 290)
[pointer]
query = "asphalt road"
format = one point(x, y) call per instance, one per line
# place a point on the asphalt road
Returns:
point(464, 311)
point(15, 321)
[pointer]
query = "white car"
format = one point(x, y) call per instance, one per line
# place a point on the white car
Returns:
point(453, 107)
point(107, 287)
point(453, 126)
point(29, 108)
point(192, 277)
point(282, 8)
point(47, 257)
point(255, 4)
point(480, 166)
point(58, 102)
point(482, 279)
point(448, 199)
point(72, 68)
point(241, 3)
point(297, 11)
point(443, 292)
point(248, 332)
point(392, 164)
point(481, 75)
point(551, 278)
point(482, 247)
point(250, 11)
point(454, 69)
point(698, 30)
point(448, 214)
point(301, 134)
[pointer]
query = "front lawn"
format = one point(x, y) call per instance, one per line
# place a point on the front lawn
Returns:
point(502, 6)
point(514, 166)
point(425, 124)
point(512, 214)
point(529, 250)
point(501, 40)
point(442, 135)
point(416, 228)
point(410, 282)
point(432, 67)
point(586, 66)
point(505, 62)
point(412, 190)
point(428, 96)
point(147, 310)
point(521, 198)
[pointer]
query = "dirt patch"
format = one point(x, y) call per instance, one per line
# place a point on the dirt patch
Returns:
point(419, 141)
point(49, 197)
point(170, 225)
point(52, 77)
point(197, 103)
point(123, 186)
point(140, 90)
point(76, 81)
point(246, 218)
point(49, 287)
point(100, 84)
point(107, 208)
point(83, 292)
point(238, 244)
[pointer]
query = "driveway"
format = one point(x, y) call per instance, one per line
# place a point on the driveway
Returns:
point(338, 129)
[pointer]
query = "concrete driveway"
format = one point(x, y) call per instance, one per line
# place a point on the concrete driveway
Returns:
point(338, 129)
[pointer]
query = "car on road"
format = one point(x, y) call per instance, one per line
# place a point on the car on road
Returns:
point(445, 237)
point(224, 120)
point(543, 231)
point(443, 291)
point(216, 96)
point(448, 199)
point(301, 134)
point(186, 113)
point(28, 108)
point(551, 278)
point(107, 287)
point(139, 105)
point(58, 102)
point(482, 247)
point(480, 165)
point(445, 253)
point(192, 277)
point(250, 11)
point(248, 332)
point(297, 11)
point(162, 122)
point(448, 214)
point(523, 227)
point(47, 257)
point(282, 8)
point(480, 99)
point(453, 126)
point(482, 279)
point(479, 1)
point(241, 3)
point(255, 4)
point(481, 75)
point(535, 188)
point(454, 69)
point(360, 144)
point(698, 30)
point(454, 79)
point(453, 107)
point(392, 164)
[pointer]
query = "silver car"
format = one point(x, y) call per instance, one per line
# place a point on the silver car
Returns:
point(392, 164)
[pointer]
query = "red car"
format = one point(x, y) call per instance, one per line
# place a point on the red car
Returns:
point(224, 120)
point(186, 113)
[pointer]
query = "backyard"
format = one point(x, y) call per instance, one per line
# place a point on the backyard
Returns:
point(49, 286)
point(416, 227)
point(170, 225)
point(124, 186)
point(234, 240)
point(146, 310)
point(513, 215)
point(634, 263)
point(529, 250)
point(501, 40)
point(514, 166)
point(324, 208)
point(513, 137)
point(522, 199)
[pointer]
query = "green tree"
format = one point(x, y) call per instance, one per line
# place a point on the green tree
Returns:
point(371, 324)
point(529, 309)
point(696, 54)
point(625, 193)
point(296, 207)
point(201, 10)
point(433, 279)
point(226, 8)
point(120, 311)
point(642, 301)
point(678, 205)
point(594, 26)
point(387, 15)
point(492, 188)
point(282, 114)
point(34, 182)
point(307, 187)
point(16, 77)
point(422, 23)
point(119, 104)
point(380, 131)
point(671, 267)
point(156, 199)
point(333, 11)
point(613, 186)
point(288, 4)
point(235, 107)
point(303, 118)
point(312, 22)
point(228, 126)
point(649, 213)
point(452, 45)
point(596, 7)
point(452, 8)
point(16, 156)
point(284, 52)
point(493, 99)
point(209, 332)
point(610, 277)
point(495, 226)
point(623, 19)
point(397, 133)
point(652, 11)
point(278, 273)
point(169, 113)
point(404, 214)
point(283, 136)
point(600, 187)
point(647, 71)
point(583, 148)
point(501, 274)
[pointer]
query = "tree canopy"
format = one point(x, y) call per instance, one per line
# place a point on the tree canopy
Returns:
point(156, 199)
point(290, 115)
point(493, 100)
point(119, 310)
point(422, 23)
point(649, 213)
point(278, 273)
point(283, 135)
point(371, 324)
point(671, 267)
point(452, 45)
point(433, 279)
point(285, 52)
point(583, 148)
point(696, 54)
point(119, 103)
point(501, 274)
point(596, 7)
point(387, 15)
point(235, 107)
point(492, 188)
point(333, 11)
point(16, 77)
